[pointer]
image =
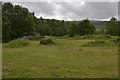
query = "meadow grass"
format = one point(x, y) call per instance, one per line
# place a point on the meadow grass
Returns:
point(64, 59)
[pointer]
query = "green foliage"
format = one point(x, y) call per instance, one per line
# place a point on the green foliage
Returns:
point(61, 28)
point(102, 40)
point(99, 43)
point(17, 43)
point(100, 31)
point(17, 22)
point(6, 29)
point(86, 27)
point(46, 41)
point(118, 39)
point(73, 29)
point(36, 34)
point(112, 27)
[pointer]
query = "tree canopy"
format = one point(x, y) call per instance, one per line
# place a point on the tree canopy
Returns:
point(19, 22)
point(112, 27)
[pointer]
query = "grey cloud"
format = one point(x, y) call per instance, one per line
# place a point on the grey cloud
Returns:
point(103, 10)
point(92, 10)
point(40, 7)
point(73, 10)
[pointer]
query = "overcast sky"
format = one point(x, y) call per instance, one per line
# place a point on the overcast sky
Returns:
point(72, 10)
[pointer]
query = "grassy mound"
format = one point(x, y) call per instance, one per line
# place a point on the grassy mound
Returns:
point(99, 43)
point(17, 43)
point(46, 41)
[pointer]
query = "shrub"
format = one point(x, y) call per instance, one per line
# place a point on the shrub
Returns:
point(46, 41)
point(17, 43)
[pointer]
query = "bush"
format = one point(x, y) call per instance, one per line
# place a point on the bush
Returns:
point(46, 41)
point(17, 43)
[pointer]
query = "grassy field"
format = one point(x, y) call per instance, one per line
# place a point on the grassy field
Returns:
point(65, 59)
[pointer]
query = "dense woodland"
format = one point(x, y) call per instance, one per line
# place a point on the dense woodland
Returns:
point(17, 22)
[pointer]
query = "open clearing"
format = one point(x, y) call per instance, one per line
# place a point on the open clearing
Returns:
point(64, 59)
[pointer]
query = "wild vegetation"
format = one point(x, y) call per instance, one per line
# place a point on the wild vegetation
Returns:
point(74, 49)
point(67, 58)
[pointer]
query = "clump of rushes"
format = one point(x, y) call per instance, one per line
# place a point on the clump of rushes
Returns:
point(46, 41)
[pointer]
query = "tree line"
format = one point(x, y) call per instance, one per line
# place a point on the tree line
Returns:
point(18, 21)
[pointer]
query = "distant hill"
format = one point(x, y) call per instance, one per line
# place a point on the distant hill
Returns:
point(99, 24)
